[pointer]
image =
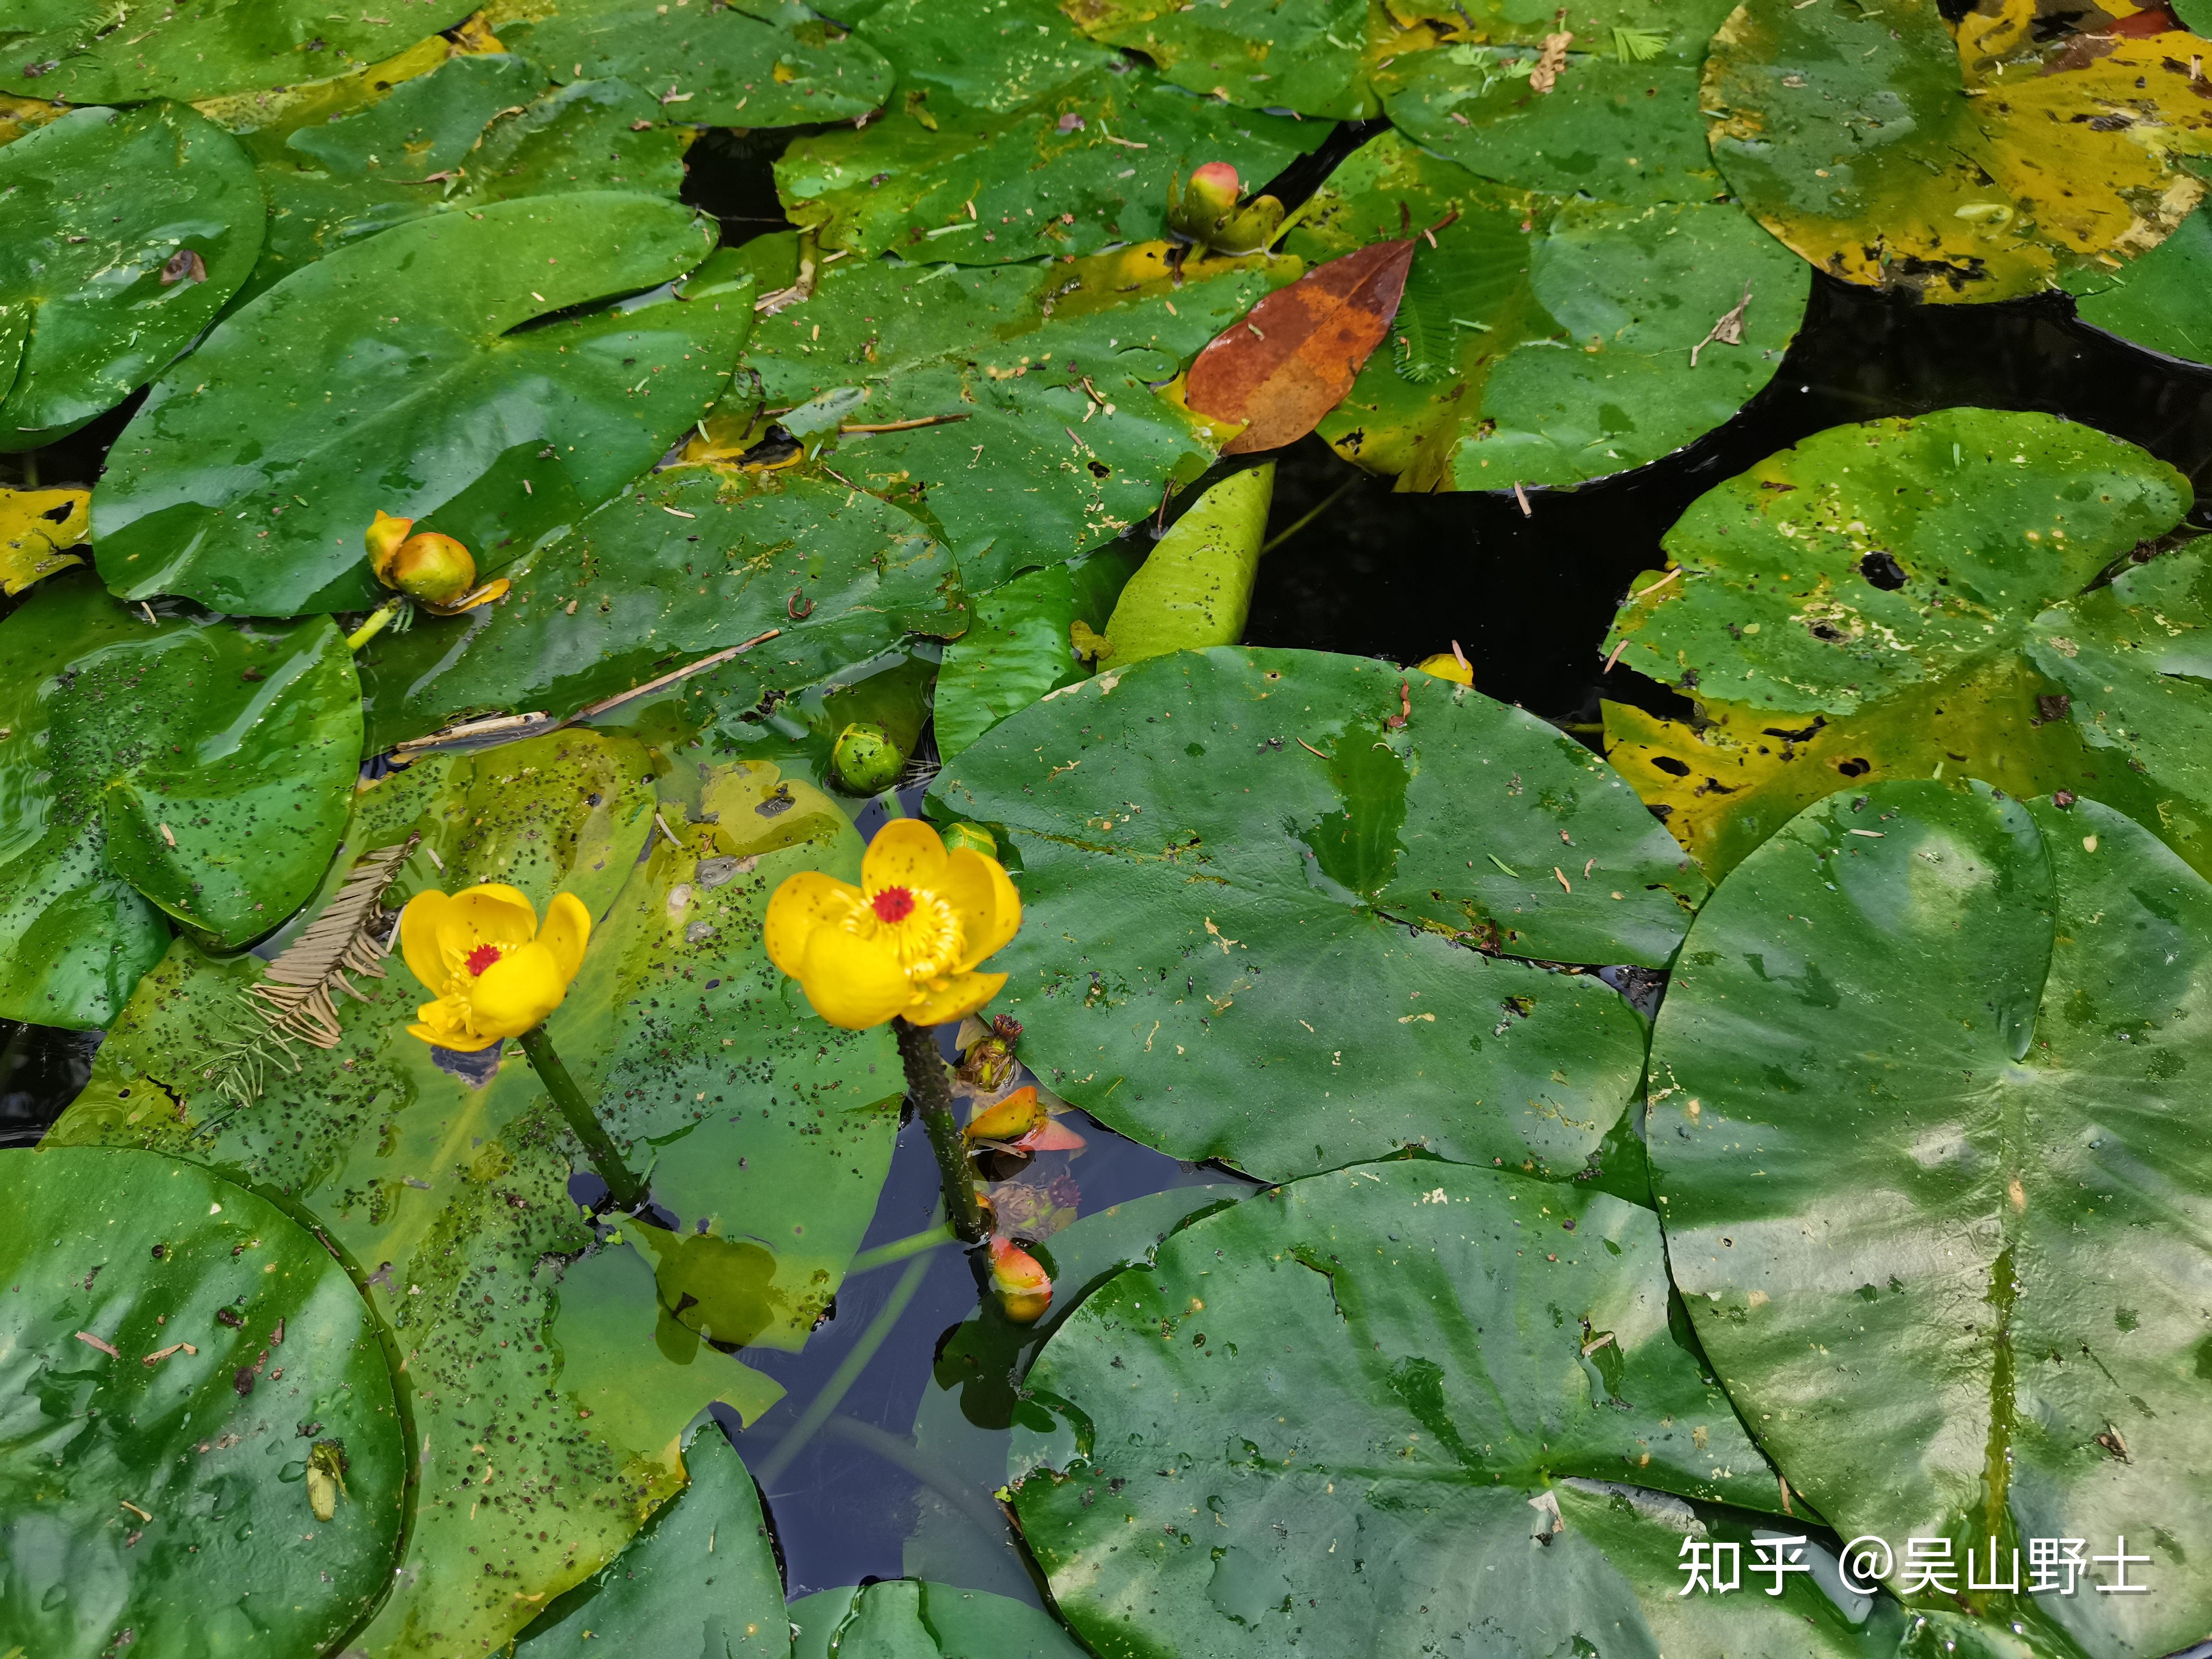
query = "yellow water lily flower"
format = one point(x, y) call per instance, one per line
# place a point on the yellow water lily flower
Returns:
point(495, 971)
point(906, 941)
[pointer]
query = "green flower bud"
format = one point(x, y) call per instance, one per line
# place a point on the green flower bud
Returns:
point(865, 762)
point(973, 836)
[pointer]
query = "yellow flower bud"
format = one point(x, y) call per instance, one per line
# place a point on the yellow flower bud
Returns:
point(434, 569)
point(1024, 1288)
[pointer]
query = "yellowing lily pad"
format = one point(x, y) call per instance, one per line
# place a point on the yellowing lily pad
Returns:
point(36, 527)
point(1897, 599)
point(1982, 160)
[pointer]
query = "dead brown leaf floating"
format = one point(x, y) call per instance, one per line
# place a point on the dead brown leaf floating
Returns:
point(1294, 357)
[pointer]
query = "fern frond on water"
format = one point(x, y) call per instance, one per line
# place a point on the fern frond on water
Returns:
point(1637, 46)
point(239, 1068)
point(1422, 351)
point(295, 997)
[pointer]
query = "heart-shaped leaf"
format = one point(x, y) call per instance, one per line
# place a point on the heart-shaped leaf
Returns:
point(1048, 438)
point(1977, 159)
point(404, 374)
point(1214, 845)
point(1088, 165)
point(787, 571)
point(1934, 1196)
point(1401, 1405)
point(1547, 340)
point(202, 769)
point(203, 1448)
point(128, 230)
point(766, 63)
point(97, 51)
point(376, 150)
point(1901, 596)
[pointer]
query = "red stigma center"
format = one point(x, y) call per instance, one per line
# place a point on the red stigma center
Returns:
point(893, 905)
point(483, 957)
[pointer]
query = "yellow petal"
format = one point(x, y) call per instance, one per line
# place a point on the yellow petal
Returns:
point(517, 991)
point(458, 1042)
point(905, 853)
point(502, 913)
point(851, 982)
point(567, 929)
point(803, 903)
point(419, 926)
point(963, 994)
point(986, 930)
point(1011, 1119)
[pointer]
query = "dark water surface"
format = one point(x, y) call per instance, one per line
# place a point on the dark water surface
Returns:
point(858, 1494)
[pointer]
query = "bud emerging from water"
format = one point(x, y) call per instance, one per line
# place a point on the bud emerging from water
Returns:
point(1023, 1286)
point(866, 760)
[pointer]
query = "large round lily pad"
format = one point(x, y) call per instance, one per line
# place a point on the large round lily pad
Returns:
point(448, 1179)
point(1316, 57)
point(127, 231)
point(1250, 902)
point(1934, 1171)
point(188, 1377)
point(1980, 160)
point(1547, 340)
point(1048, 438)
point(1909, 598)
point(1088, 164)
point(1618, 119)
point(202, 769)
point(1405, 1407)
point(97, 51)
point(699, 561)
point(373, 151)
point(402, 375)
point(773, 63)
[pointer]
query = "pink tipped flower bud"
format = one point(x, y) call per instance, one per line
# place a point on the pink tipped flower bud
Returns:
point(1214, 187)
point(1024, 1288)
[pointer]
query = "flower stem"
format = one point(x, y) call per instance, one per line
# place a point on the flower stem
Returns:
point(627, 1191)
point(377, 619)
point(933, 1098)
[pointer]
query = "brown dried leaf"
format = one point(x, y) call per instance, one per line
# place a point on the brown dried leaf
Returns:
point(1294, 357)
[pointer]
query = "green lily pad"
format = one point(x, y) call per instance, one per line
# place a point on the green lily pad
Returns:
point(200, 769)
point(770, 64)
point(1017, 647)
point(128, 230)
point(1957, 1294)
point(1980, 160)
point(1311, 55)
point(1037, 469)
point(702, 1576)
point(909, 1618)
point(474, 129)
point(694, 562)
point(178, 1354)
point(991, 56)
point(1086, 165)
point(1546, 340)
point(101, 52)
point(1620, 122)
point(1283, 843)
point(2159, 299)
point(1452, 1374)
point(446, 1193)
point(243, 481)
point(1870, 604)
